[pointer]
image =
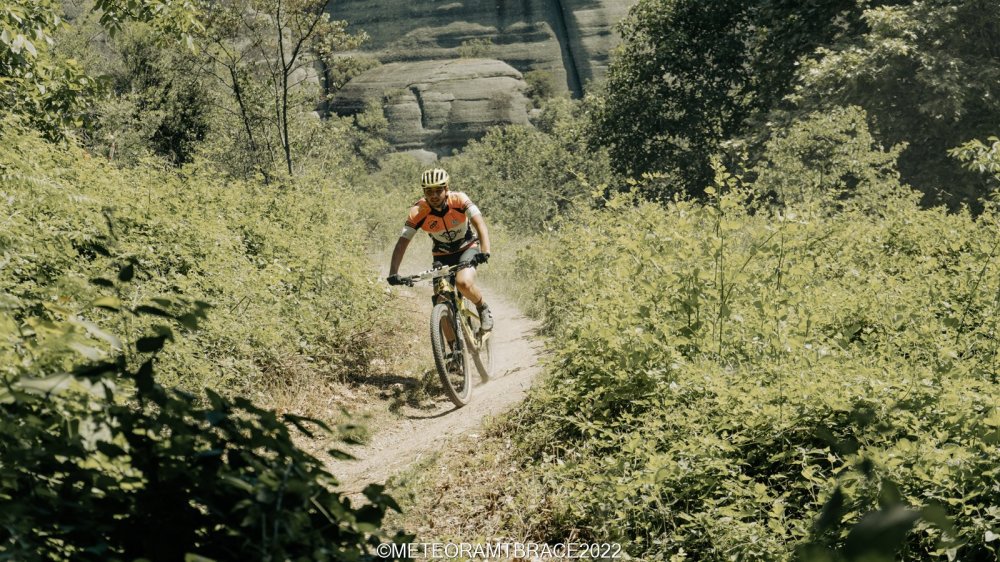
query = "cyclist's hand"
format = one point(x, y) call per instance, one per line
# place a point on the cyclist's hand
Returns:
point(480, 258)
point(395, 279)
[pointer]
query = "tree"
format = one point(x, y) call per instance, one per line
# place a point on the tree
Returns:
point(152, 101)
point(928, 74)
point(829, 159)
point(266, 54)
point(691, 74)
point(977, 156)
point(52, 92)
point(525, 177)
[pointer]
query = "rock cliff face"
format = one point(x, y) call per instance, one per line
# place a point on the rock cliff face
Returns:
point(567, 41)
point(439, 105)
point(569, 38)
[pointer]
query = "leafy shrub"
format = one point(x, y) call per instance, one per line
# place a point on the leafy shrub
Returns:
point(284, 267)
point(154, 102)
point(828, 156)
point(475, 48)
point(101, 462)
point(48, 91)
point(982, 158)
point(920, 72)
point(720, 369)
point(524, 177)
point(542, 85)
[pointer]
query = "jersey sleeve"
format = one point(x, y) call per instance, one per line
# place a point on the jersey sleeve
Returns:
point(467, 206)
point(413, 221)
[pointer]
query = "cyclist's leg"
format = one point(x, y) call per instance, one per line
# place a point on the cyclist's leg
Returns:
point(466, 278)
point(448, 260)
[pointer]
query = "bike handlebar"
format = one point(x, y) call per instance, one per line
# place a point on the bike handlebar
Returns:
point(434, 273)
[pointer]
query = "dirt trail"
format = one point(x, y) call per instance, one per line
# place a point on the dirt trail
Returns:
point(420, 433)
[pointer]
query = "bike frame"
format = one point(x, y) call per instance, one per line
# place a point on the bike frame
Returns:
point(446, 288)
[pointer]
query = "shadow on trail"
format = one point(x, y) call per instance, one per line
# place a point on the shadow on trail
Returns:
point(434, 416)
point(382, 381)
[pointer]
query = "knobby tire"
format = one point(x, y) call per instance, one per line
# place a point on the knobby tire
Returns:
point(483, 358)
point(456, 378)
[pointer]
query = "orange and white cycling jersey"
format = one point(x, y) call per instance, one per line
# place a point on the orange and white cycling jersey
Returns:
point(449, 228)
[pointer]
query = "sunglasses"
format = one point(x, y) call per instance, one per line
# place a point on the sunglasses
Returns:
point(433, 190)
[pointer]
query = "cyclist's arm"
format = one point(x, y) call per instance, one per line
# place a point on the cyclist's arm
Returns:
point(483, 232)
point(413, 221)
point(397, 255)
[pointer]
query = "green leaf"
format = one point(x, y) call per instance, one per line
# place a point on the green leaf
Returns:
point(889, 495)
point(238, 484)
point(662, 474)
point(110, 449)
point(108, 303)
point(45, 385)
point(95, 331)
point(936, 515)
point(832, 511)
point(880, 532)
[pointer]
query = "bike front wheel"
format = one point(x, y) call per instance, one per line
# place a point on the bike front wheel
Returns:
point(449, 354)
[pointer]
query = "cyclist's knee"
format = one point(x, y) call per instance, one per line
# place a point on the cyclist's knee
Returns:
point(466, 279)
point(465, 285)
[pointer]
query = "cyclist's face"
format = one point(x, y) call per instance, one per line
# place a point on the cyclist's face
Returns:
point(435, 195)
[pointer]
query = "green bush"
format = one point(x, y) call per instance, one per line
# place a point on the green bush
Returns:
point(828, 157)
point(102, 462)
point(542, 85)
point(524, 177)
point(475, 48)
point(720, 369)
point(284, 266)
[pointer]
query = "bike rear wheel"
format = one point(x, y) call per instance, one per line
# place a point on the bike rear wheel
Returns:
point(450, 357)
point(484, 359)
point(480, 346)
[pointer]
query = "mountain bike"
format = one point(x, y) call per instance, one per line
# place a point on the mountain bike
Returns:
point(453, 314)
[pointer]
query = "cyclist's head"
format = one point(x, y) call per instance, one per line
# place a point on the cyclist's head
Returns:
point(434, 179)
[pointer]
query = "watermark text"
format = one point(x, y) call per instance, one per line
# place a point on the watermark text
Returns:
point(500, 551)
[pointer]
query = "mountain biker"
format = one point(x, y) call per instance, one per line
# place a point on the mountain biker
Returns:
point(446, 216)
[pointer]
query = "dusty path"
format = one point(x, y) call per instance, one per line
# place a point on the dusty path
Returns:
point(420, 433)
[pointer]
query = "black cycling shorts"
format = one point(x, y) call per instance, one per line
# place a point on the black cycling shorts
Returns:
point(457, 257)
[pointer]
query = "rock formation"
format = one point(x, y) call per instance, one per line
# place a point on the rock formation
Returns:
point(565, 43)
point(439, 105)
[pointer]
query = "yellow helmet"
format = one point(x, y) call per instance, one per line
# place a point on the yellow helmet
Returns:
point(434, 178)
